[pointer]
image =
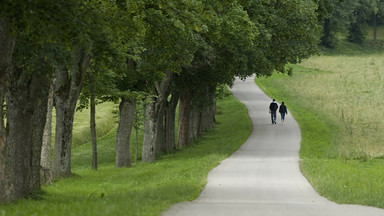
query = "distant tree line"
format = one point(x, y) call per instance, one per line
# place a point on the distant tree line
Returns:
point(156, 53)
point(351, 17)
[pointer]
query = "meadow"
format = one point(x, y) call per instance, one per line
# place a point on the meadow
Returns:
point(337, 99)
point(144, 189)
point(106, 121)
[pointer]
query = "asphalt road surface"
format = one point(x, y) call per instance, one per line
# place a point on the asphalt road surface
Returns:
point(263, 177)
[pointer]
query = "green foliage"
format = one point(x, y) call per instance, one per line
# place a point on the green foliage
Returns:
point(356, 34)
point(328, 39)
point(249, 37)
point(145, 189)
point(350, 18)
point(289, 32)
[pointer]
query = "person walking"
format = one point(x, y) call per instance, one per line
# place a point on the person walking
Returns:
point(283, 111)
point(272, 110)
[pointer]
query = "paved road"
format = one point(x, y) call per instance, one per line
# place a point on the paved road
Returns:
point(263, 177)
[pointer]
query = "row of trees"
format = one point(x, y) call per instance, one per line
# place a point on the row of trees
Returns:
point(162, 52)
point(351, 18)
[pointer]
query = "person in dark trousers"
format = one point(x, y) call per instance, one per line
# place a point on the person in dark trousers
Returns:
point(272, 110)
point(283, 111)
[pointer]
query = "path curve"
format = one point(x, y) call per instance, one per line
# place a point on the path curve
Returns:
point(263, 177)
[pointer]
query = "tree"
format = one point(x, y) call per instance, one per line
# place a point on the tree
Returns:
point(377, 14)
point(46, 161)
point(68, 86)
point(93, 120)
point(6, 172)
point(361, 13)
point(169, 42)
point(86, 27)
point(25, 74)
point(351, 17)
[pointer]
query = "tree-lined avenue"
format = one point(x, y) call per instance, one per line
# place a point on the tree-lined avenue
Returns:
point(263, 177)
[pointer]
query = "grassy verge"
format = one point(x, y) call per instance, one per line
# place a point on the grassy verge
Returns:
point(145, 189)
point(341, 169)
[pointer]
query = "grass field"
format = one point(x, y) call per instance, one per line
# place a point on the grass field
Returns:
point(337, 100)
point(105, 122)
point(145, 189)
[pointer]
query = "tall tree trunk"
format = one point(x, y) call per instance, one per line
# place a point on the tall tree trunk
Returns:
point(185, 108)
point(162, 89)
point(208, 114)
point(5, 182)
point(47, 142)
point(154, 138)
point(193, 123)
point(26, 100)
point(40, 88)
point(170, 123)
point(26, 95)
point(7, 190)
point(67, 90)
point(123, 147)
point(160, 128)
point(46, 161)
point(137, 144)
point(374, 29)
point(93, 121)
point(149, 142)
point(198, 131)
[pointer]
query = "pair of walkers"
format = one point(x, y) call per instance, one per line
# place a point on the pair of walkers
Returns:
point(273, 109)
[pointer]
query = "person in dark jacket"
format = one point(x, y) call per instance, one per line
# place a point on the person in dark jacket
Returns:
point(283, 111)
point(272, 110)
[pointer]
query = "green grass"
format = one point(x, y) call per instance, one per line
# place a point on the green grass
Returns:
point(337, 102)
point(105, 122)
point(145, 189)
point(347, 181)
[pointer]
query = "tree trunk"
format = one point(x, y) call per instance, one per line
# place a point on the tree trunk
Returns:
point(170, 123)
point(194, 124)
point(137, 144)
point(26, 100)
point(26, 95)
point(162, 89)
point(374, 29)
point(6, 186)
point(7, 190)
point(47, 142)
point(149, 142)
point(185, 108)
point(67, 90)
point(198, 132)
point(39, 92)
point(154, 138)
point(93, 121)
point(123, 149)
point(46, 162)
point(208, 114)
point(160, 127)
